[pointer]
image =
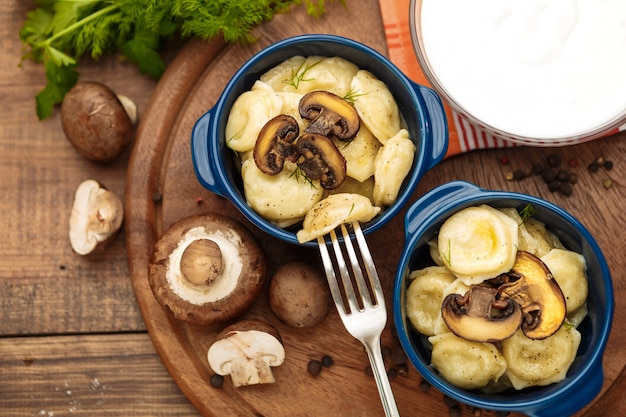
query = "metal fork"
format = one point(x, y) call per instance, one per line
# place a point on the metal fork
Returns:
point(365, 320)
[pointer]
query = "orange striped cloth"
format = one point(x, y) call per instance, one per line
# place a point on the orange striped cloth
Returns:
point(464, 136)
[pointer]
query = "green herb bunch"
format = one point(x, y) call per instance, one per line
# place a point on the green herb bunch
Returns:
point(59, 32)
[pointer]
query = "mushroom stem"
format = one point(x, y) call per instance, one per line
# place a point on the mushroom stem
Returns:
point(201, 262)
point(251, 372)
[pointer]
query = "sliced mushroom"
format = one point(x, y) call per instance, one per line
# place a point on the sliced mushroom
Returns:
point(96, 217)
point(274, 144)
point(246, 351)
point(321, 160)
point(329, 115)
point(480, 316)
point(534, 288)
point(207, 268)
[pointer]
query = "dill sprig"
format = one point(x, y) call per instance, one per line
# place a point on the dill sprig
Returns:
point(59, 32)
point(298, 74)
point(527, 212)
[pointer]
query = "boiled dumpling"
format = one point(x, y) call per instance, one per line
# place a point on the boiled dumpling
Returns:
point(283, 197)
point(290, 107)
point(393, 163)
point(478, 243)
point(546, 240)
point(376, 106)
point(534, 362)
point(424, 296)
point(466, 364)
point(570, 272)
point(360, 154)
point(249, 113)
point(303, 75)
point(334, 210)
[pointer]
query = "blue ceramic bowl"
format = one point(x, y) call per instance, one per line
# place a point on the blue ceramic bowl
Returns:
point(584, 379)
point(421, 107)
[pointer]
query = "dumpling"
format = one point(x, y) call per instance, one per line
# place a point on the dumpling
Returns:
point(334, 210)
point(249, 113)
point(424, 296)
point(546, 240)
point(283, 197)
point(570, 272)
point(478, 243)
point(465, 364)
point(303, 75)
point(376, 106)
point(534, 362)
point(290, 107)
point(360, 154)
point(352, 186)
point(393, 163)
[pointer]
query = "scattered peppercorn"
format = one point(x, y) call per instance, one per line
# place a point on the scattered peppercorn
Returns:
point(554, 185)
point(449, 401)
point(424, 386)
point(608, 165)
point(505, 160)
point(455, 411)
point(573, 178)
point(476, 412)
point(562, 175)
point(509, 176)
point(199, 200)
point(607, 183)
point(566, 189)
point(573, 162)
point(368, 370)
point(599, 160)
point(593, 167)
point(537, 169)
point(403, 370)
point(314, 367)
point(392, 373)
point(519, 175)
point(554, 160)
point(502, 413)
point(327, 361)
point(216, 381)
point(157, 198)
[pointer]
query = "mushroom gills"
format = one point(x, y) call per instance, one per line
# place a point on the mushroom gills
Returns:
point(321, 160)
point(533, 287)
point(274, 144)
point(329, 115)
point(480, 316)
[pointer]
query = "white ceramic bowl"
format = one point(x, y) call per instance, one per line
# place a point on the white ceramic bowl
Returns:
point(536, 72)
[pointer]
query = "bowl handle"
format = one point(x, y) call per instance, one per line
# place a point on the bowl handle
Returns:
point(200, 153)
point(435, 201)
point(437, 129)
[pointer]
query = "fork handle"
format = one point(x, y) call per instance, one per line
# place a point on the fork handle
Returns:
point(372, 347)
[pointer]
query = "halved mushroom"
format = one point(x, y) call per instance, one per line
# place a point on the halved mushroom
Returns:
point(534, 288)
point(96, 217)
point(480, 316)
point(274, 144)
point(246, 351)
point(329, 115)
point(321, 160)
point(207, 268)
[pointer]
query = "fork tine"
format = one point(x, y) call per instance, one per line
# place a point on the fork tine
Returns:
point(356, 268)
point(351, 296)
point(330, 272)
point(369, 264)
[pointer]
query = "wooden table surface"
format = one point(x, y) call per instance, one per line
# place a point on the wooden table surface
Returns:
point(72, 339)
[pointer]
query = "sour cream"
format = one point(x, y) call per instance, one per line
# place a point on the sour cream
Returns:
point(544, 70)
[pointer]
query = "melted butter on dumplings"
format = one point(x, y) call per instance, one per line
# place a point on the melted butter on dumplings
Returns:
point(478, 243)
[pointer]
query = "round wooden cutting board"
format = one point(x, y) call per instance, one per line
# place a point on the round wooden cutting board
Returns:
point(162, 188)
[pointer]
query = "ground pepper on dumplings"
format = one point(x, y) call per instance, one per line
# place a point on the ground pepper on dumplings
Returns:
point(312, 127)
point(502, 303)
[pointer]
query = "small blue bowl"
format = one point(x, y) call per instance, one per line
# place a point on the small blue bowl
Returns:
point(585, 377)
point(420, 106)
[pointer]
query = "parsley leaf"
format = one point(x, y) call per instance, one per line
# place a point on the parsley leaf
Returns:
point(60, 32)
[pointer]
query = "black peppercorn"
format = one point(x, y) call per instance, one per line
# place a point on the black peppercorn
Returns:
point(593, 167)
point(608, 165)
point(314, 367)
point(554, 160)
point(327, 361)
point(565, 188)
point(562, 175)
point(554, 185)
point(548, 175)
point(537, 169)
point(518, 175)
point(216, 381)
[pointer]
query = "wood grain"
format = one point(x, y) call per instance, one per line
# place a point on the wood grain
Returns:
point(160, 166)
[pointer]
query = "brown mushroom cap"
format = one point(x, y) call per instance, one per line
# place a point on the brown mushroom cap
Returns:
point(249, 283)
point(329, 115)
point(274, 144)
point(299, 294)
point(95, 121)
point(321, 160)
point(535, 289)
point(480, 316)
